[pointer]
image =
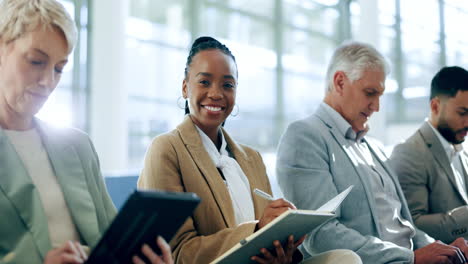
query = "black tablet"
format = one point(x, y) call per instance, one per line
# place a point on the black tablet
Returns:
point(144, 216)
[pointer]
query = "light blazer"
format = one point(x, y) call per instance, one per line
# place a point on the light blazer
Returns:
point(178, 161)
point(427, 179)
point(23, 224)
point(315, 163)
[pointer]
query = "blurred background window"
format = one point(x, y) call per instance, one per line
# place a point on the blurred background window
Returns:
point(68, 105)
point(418, 44)
point(282, 48)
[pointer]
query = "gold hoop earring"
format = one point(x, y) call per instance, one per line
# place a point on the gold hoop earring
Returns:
point(181, 102)
point(237, 112)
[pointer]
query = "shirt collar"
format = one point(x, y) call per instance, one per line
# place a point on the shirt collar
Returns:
point(210, 146)
point(343, 126)
point(452, 150)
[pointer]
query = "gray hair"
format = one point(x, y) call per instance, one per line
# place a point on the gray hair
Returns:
point(353, 58)
point(18, 17)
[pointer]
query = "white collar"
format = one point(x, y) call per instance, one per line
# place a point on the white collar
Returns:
point(343, 126)
point(211, 147)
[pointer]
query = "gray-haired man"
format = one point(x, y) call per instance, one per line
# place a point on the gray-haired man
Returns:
point(322, 155)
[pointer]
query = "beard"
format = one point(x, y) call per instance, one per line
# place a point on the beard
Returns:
point(449, 134)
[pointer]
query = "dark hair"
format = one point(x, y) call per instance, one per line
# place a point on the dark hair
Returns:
point(206, 43)
point(448, 81)
point(201, 44)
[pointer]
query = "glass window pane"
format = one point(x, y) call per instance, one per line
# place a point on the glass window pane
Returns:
point(323, 2)
point(302, 95)
point(254, 129)
point(147, 119)
point(417, 108)
point(161, 20)
point(255, 82)
point(420, 62)
point(387, 12)
point(355, 13)
point(306, 53)
point(154, 71)
point(312, 16)
point(427, 21)
point(157, 47)
point(413, 64)
point(154, 76)
point(462, 4)
point(424, 29)
point(254, 124)
point(387, 43)
point(226, 24)
point(456, 37)
point(264, 8)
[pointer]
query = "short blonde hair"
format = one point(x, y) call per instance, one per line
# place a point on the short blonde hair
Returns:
point(18, 17)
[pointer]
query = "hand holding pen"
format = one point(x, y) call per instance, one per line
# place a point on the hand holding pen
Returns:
point(263, 194)
point(281, 253)
point(274, 209)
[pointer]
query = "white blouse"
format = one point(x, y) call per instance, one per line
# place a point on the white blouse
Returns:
point(235, 179)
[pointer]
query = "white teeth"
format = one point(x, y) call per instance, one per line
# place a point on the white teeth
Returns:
point(213, 108)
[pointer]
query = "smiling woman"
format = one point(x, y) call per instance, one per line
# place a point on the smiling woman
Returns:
point(210, 86)
point(199, 156)
point(52, 194)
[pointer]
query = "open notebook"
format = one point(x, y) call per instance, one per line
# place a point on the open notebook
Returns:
point(292, 222)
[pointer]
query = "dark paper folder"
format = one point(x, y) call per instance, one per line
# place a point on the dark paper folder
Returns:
point(144, 216)
point(292, 222)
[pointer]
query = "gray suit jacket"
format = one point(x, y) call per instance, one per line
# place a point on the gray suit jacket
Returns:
point(315, 163)
point(23, 224)
point(429, 184)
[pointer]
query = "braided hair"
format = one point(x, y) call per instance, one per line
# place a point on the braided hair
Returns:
point(201, 44)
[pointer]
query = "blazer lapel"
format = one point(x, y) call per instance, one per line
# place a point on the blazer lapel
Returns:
point(246, 165)
point(192, 141)
point(439, 153)
point(17, 185)
point(71, 177)
point(350, 153)
point(381, 158)
point(464, 161)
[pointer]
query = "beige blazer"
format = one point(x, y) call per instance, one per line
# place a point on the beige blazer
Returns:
point(178, 161)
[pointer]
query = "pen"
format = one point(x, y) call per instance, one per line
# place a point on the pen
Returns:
point(263, 194)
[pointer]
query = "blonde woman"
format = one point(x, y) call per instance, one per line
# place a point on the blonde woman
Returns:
point(53, 201)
